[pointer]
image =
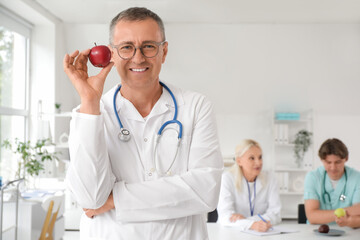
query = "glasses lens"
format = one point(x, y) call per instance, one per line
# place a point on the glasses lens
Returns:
point(150, 49)
point(126, 50)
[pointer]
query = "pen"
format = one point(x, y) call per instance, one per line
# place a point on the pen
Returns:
point(263, 220)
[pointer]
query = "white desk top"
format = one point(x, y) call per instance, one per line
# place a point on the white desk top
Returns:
point(218, 232)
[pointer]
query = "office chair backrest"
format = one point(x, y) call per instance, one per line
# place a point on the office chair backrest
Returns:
point(301, 214)
point(212, 216)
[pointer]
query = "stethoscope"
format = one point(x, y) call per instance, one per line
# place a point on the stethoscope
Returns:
point(342, 195)
point(252, 205)
point(125, 136)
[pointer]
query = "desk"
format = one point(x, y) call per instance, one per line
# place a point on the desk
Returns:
point(218, 232)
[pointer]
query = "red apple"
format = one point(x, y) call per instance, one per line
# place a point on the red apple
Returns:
point(100, 56)
point(324, 228)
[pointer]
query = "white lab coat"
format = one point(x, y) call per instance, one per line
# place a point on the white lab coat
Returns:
point(147, 206)
point(267, 202)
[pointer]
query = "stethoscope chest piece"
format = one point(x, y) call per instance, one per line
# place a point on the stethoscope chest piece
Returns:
point(124, 135)
point(342, 197)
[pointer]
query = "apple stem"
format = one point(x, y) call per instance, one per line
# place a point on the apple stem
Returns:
point(95, 43)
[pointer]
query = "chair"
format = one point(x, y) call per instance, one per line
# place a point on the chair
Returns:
point(301, 214)
point(52, 205)
point(212, 216)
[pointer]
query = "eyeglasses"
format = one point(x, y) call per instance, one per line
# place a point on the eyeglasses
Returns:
point(148, 49)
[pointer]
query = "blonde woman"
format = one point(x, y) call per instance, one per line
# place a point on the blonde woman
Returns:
point(247, 193)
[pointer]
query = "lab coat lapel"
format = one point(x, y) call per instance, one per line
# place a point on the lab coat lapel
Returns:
point(259, 184)
point(166, 103)
point(124, 107)
point(128, 110)
point(163, 105)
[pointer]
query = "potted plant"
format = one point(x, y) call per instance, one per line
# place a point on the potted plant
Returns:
point(31, 157)
point(58, 107)
point(302, 143)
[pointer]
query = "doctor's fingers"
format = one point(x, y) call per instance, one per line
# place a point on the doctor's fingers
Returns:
point(69, 60)
point(76, 60)
point(81, 60)
point(105, 71)
point(341, 221)
point(269, 225)
point(340, 224)
point(90, 213)
point(263, 226)
point(235, 217)
point(232, 219)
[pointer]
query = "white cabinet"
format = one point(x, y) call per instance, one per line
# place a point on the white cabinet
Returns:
point(56, 127)
point(290, 173)
point(61, 123)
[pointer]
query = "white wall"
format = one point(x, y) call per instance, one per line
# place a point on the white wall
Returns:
point(344, 127)
point(249, 69)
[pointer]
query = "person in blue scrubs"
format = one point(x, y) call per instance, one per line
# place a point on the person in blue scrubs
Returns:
point(333, 186)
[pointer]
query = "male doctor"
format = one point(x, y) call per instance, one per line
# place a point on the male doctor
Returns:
point(333, 186)
point(133, 189)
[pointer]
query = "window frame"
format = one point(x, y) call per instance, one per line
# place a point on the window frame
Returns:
point(15, 23)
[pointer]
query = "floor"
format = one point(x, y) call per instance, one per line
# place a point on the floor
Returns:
point(71, 235)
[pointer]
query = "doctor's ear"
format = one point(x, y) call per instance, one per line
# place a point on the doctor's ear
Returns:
point(165, 51)
point(112, 52)
point(238, 161)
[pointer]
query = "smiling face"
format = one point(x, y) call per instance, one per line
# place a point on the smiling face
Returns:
point(334, 166)
point(251, 163)
point(138, 71)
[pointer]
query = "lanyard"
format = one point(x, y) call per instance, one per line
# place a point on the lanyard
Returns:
point(252, 206)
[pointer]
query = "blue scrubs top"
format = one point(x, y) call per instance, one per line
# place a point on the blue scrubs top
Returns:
point(314, 188)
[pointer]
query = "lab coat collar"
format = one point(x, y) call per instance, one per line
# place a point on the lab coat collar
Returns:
point(259, 182)
point(126, 109)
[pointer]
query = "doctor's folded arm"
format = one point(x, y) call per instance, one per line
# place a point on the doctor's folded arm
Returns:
point(145, 156)
point(333, 186)
point(249, 198)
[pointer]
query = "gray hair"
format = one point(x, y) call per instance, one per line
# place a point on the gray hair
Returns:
point(135, 14)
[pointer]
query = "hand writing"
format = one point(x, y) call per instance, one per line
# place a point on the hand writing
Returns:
point(261, 226)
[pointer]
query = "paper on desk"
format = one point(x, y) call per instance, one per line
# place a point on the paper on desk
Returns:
point(36, 194)
point(273, 231)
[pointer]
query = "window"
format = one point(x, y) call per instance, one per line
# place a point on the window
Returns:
point(14, 113)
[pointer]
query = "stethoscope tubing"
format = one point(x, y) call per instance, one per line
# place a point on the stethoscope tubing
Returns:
point(342, 195)
point(159, 133)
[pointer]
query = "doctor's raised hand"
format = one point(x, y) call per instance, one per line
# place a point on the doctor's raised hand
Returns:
point(89, 88)
point(249, 197)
